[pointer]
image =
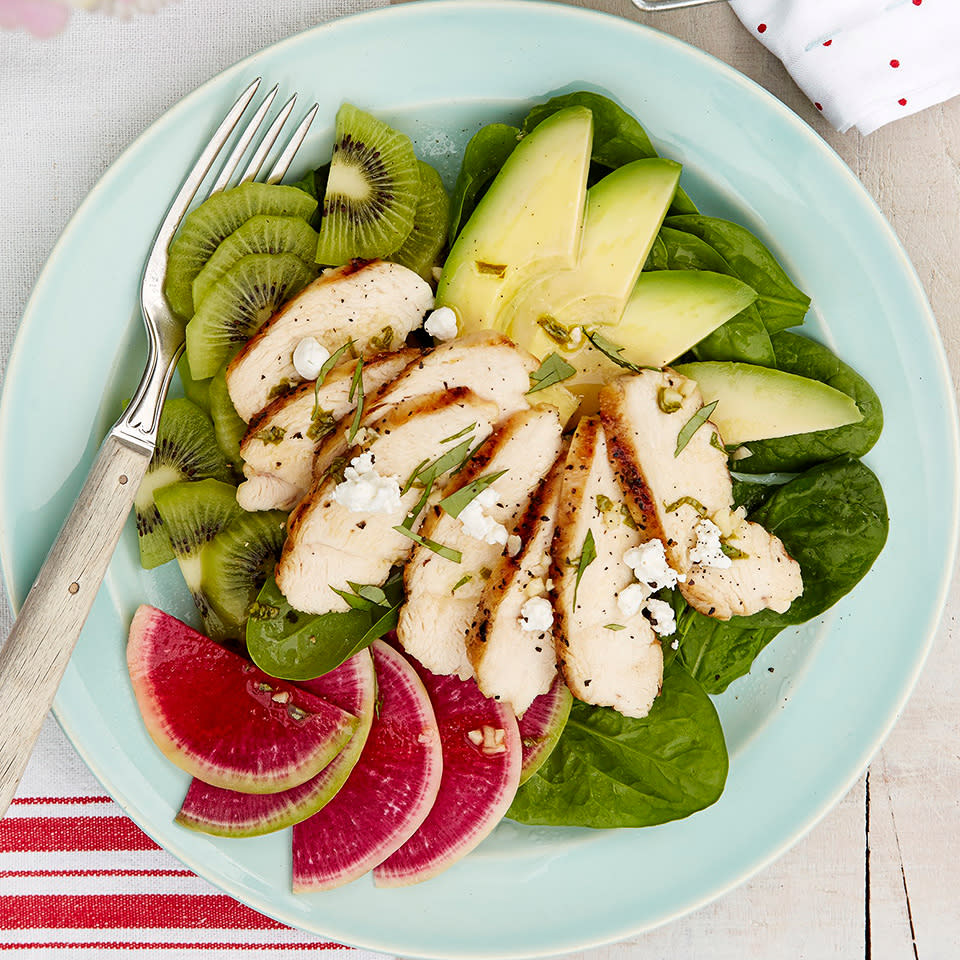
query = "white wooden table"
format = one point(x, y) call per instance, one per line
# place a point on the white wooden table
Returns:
point(879, 877)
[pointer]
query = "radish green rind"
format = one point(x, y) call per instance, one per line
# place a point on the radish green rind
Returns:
point(541, 726)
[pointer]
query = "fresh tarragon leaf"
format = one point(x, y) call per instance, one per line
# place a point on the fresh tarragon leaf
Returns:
point(587, 555)
point(554, 369)
point(356, 390)
point(613, 351)
point(328, 365)
point(448, 553)
point(693, 425)
point(460, 499)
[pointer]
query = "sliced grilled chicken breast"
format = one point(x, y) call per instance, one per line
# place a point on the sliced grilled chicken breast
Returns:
point(329, 543)
point(492, 366)
point(282, 439)
point(674, 495)
point(513, 657)
point(442, 596)
point(607, 658)
point(373, 303)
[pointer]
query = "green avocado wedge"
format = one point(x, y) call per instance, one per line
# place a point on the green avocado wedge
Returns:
point(528, 223)
point(757, 403)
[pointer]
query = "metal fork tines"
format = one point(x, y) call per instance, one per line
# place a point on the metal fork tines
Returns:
point(164, 330)
point(36, 652)
point(652, 5)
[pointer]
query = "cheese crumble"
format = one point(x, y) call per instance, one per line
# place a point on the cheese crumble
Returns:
point(309, 356)
point(363, 490)
point(536, 615)
point(477, 524)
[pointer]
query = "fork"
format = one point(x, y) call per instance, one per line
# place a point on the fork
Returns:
point(35, 655)
point(652, 5)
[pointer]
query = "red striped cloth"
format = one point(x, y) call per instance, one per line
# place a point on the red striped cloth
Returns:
point(80, 880)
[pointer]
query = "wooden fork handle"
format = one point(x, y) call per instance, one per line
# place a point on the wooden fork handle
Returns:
point(35, 655)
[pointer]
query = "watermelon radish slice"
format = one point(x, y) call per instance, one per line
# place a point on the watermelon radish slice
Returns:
point(226, 813)
point(481, 771)
point(223, 720)
point(541, 726)
point(389, 792)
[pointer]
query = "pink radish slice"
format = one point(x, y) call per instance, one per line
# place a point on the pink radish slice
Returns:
point(387, 795)
point(220, 718)
point(226, 813)
point(541, 726)
point(481, 771)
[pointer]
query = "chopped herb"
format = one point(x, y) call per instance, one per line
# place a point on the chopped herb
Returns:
point(382, 341)
point(715, 441)
point(457, 501)
point(363, 596)
point(336, 468)
point(669, 400)
point(467, 457)
point(587, 555)
point(628, 520)
point(690, 502)
point(732, 552)
point(332, 361)
point(612, 351)
point(693, 425)
point(485, 573)
point(270, 434)
point(604, 504)
point(412, 479)
point(466, 578)
point(614, 626)
point(553, 329)
point(324, 423)
point(280, 388)
point(426, 474)
point(453, 458)
point(263, 611)
point(491, 269)
point(554, 369)
point(448, 553)
point(461, 433)
point(356, 389)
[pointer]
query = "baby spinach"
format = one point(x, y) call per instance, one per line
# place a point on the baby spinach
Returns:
point(807, 358)
point(292, 645)
point(618, 137)
point(780, 303)
point(833, 522)
point(483, 157)
point(608, 770)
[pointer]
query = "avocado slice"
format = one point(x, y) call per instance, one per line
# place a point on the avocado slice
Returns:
point(624, 212)
point(528, 222)
point(758, 403)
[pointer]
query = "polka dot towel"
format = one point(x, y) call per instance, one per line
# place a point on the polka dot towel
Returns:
point(863, 63)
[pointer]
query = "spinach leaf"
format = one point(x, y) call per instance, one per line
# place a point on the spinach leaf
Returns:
point(314, 182)
point(833, 522)
point(483, 157)
point(781, 304)
point(618, 137)
point(807, 358)
point(292, 645)
point(608, 770)
point(743, 337)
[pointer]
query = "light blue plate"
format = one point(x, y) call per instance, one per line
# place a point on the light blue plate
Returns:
point(798, 737)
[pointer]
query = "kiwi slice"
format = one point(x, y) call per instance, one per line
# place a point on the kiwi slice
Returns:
point(238, 304)
point(237, 562)
point(423, 245)
point(186, 450)
point(227, 424)
point(196, 391)
point(193, 513)
point(372, 190)
point(205, 228)
point(260, 234)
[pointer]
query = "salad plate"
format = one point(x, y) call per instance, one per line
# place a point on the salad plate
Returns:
point(800, 727)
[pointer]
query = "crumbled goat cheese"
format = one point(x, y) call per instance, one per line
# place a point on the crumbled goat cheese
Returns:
point(441, 324)
point(309, 356)
point(630, 600)
point(536, 615)
point(649, 565)
point(513, 545)
point(477, 524)
point(708, 551)
point(674, 644)
point(576, 335)
point(363, 490)
point(662, 617)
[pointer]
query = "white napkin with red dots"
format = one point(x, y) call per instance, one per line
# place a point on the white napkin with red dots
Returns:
point(863, 63)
